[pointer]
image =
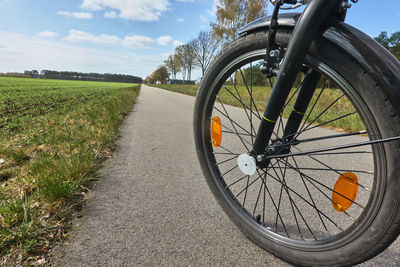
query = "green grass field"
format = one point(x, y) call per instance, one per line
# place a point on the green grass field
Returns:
point(261, 95)
point(53, 136)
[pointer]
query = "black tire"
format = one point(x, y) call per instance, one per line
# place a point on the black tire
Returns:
point(371, 223)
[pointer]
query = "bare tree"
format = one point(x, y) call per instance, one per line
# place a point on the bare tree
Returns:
point(180, 54)
point(186, 54)
point(204, 48)
point(189, 58)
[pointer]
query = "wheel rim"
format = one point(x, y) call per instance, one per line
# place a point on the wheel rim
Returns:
point(291, 201)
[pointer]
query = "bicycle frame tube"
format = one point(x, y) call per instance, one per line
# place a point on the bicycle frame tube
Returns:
point(313, 21)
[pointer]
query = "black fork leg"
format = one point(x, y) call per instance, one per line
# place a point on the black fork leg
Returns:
point(303, 99)
point(313, 21)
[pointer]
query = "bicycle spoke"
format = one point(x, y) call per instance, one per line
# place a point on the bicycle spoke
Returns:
point(252, 130)
point(310, 152)
point(327, 197)
point(327, 122)
point(222, 175)
point(258, 198)
point(309, 194)
point(279, 201)
point(239, 100)
point(245, 194)
point(230, 132)
point(342, 153)
point(227, 150)
point(241, 179)
point(259, 194)
point(292, 203)
point(323, 112)
point(225, 153)
point(233, 125)
point(312, 108)
point(219, 163)
point(292, 96)
point(255, 180)
point(251, 97)
point(273, 202)
point(251, 91)
point(236, 133)
point(332, 170)
point(321, 138)
point(232, 121)
point(306, 201)
point(327, 187)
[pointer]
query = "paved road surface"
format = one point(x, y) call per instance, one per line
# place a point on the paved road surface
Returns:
point(152, 206)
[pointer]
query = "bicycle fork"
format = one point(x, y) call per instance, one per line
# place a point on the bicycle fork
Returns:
point(311, 23)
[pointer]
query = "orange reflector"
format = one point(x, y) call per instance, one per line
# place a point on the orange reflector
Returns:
point(216, 131)
point(345, 192)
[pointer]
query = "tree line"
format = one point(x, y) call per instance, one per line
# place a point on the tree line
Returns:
point(73, 75)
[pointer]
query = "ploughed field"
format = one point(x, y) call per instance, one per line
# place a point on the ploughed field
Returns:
point(54, 134)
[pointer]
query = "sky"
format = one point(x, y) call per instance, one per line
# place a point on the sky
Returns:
point(126, 36)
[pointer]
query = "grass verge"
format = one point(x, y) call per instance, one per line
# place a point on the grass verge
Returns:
point(45, 165)
point(179, 88)
point(341, 108)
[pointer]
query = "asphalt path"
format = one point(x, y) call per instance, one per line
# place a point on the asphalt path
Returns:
point(152, 205)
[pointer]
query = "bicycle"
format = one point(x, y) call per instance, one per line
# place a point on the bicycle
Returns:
point(315, 178)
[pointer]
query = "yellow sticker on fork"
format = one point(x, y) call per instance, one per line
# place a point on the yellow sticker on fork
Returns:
point(265, 118)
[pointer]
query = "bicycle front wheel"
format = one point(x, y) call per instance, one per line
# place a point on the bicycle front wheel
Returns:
point(336, 207)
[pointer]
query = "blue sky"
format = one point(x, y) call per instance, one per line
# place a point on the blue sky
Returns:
point(125, 36)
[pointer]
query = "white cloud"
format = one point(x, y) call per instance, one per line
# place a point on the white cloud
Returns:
point(142, 10)
point(137, 41)
point(133, 41)
point(77, 15)
point(47, 34)
point(168, 40)
point(111, 14)
point(64, 13)
point(107, 39)
point(185, 0)
point(82, 15)
point(165, 40)
point(80, 36)
point(23, 52)
point(180, 20)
